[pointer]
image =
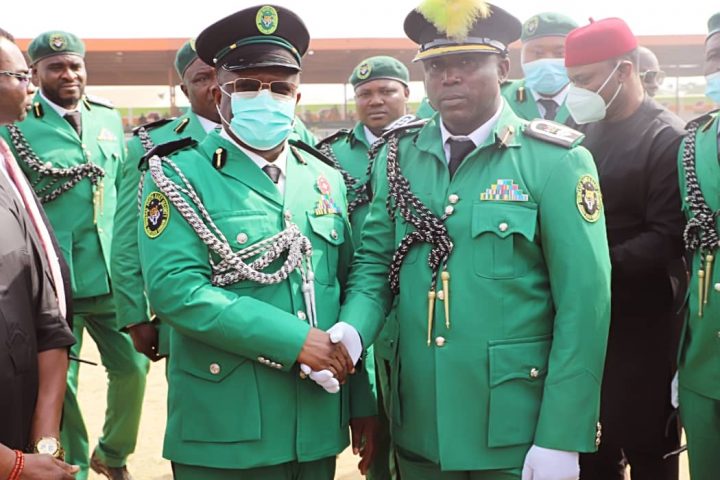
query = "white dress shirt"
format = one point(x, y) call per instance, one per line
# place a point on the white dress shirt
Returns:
point(478, 136)
point(280, 161)
point(558, 98)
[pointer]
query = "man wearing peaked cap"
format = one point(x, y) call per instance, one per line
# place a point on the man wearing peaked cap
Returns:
point(541, 94)
point(499, 337)
point(634, 142)
point(699, 382)
point(71, 147)
point(198, 83)
point(245, 244)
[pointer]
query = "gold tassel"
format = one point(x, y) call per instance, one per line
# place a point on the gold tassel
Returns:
point(431, 314)
point(98, 201)
point(708, 276)
point(445, 276)
point(701, 289)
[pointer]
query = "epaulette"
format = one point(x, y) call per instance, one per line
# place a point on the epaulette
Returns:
point(343, 132)
point(150, 125)
point(554, 132)
point(704, 121)
point(312, 151)
point(402, 128)
point(165, 149)
point(103, 102)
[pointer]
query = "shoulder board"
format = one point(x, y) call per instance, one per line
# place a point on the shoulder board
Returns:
point(150, 125)
point(406, 126)
point(103, 102)
point(343, 132)
point(554, 132)
point(165, 149)
point(703, 121)
point(299, 144)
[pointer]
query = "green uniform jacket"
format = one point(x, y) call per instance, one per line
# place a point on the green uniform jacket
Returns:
point(700, 344)
point(227, 408)
point(530, 297)
point(127, 278)
point(523, 103)
point(85, 244)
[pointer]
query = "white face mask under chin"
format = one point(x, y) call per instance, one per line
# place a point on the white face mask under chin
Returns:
point(586, 106)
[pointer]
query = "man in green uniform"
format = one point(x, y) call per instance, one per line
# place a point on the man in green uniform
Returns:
point(381, 95)
point(698, 373)
point(198, 84)
point(541, 94)
point(71, 148)
point(244, 246)
point(501, 330)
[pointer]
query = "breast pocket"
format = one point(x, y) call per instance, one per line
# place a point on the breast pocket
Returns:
point(244, 228)
point(329, 235)
point(503, 239)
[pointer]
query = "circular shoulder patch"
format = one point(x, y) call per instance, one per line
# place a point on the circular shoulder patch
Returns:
point(156, 213)
point(267, 20)
point(588, 198)
point(364, 71)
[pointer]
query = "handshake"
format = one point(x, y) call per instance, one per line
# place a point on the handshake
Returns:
point(328, 357)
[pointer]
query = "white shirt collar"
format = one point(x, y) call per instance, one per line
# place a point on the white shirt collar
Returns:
point(207, 124)
point(280, 161)
point(478, 136)
point(60, 110)
point(369, 136)
point(558, 98)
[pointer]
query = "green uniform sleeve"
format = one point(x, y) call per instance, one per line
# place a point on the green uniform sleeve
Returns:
point(177, 277)
point(578, 262)
point(125, 262)
point(363, 392)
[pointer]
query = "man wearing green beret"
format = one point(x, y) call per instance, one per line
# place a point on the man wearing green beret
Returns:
point(381, 95)
point(245, 244)
point(541, 94)
point(198, 84)
point(501, 334)
point(71, 148)
point(698, 374)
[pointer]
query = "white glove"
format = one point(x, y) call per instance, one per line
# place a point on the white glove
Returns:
point(674, 395)
point(546, 464)
point(346, 333)
point(324, 378)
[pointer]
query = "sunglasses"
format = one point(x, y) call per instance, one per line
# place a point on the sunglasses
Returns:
point(287, 89)
point(653, 77)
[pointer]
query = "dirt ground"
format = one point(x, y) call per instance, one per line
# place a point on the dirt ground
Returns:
point(147, 462)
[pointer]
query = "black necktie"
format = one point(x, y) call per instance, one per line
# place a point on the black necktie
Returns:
point(550, 106)
point(459, 149)
point(273, 172)
point(74, 119)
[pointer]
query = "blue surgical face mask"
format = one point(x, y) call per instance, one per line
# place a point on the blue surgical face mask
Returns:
point(262, 120)
point(712, 86)
point(546, 76)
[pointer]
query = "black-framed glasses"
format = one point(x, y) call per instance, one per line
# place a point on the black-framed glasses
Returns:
point(280, 87)
point(22, 77)
point(653, 77)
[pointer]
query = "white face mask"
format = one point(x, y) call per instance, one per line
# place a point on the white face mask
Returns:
point(586, 106)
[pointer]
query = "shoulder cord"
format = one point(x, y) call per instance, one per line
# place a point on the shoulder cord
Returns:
point(232, 267)
point(359, 189)
point(147, 145)
point(428, 227)
point(71, 175)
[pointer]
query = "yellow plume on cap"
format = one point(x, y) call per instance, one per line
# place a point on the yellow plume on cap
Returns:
point(454, 17)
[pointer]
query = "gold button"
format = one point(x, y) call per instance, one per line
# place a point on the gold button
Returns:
point(214, 368)
point(503, 227)
point(48, 164)
point(100, 230)
point(440, 341)
point(717, 287)
point(718, 334)
point(453, 199)
point(261, 359)
point(242, 238)
point(301, 315)
point(440, 295)
point(334, 234)
point(288, 215)
point(449, 210)
point(534, 373)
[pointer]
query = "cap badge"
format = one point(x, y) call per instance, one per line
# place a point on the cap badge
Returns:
point(57, 42)
point(532, 25)
point(364, 71)
point(267, 20)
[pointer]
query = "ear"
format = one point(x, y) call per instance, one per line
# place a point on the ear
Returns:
point(503, 69)
point(217, 95)
point(625, 71)
point(406, 91)
point(184, 89)
point(35, 79)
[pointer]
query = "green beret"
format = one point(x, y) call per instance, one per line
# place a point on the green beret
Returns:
point(714, 25)
point(55, 43)
point(547, 24)
point(374, 68)
point(185, 56)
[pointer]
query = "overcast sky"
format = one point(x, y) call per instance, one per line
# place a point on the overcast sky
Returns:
point(325, 18)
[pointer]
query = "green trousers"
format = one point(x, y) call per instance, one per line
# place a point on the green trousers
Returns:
point(126, 372)
point(383, 466)
point(417, 468)
point(323, 469)
point(701, 418)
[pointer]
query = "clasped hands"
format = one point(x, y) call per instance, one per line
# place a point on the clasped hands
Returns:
point(328, 357)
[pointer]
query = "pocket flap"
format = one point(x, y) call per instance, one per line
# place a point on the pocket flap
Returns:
point(330, 227)
point(204, 361)
point(504, 219)
point(519, 359)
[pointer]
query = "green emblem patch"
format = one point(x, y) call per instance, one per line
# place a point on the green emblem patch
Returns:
point(267, 20)
point(156, 213)
point(588, 198)
point(532, 25)
point(364, 71)
point(57, 42)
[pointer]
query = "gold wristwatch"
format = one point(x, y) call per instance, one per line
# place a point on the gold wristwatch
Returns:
point(50, 446)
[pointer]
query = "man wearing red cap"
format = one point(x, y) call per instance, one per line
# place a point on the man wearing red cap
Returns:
point(634, 142)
